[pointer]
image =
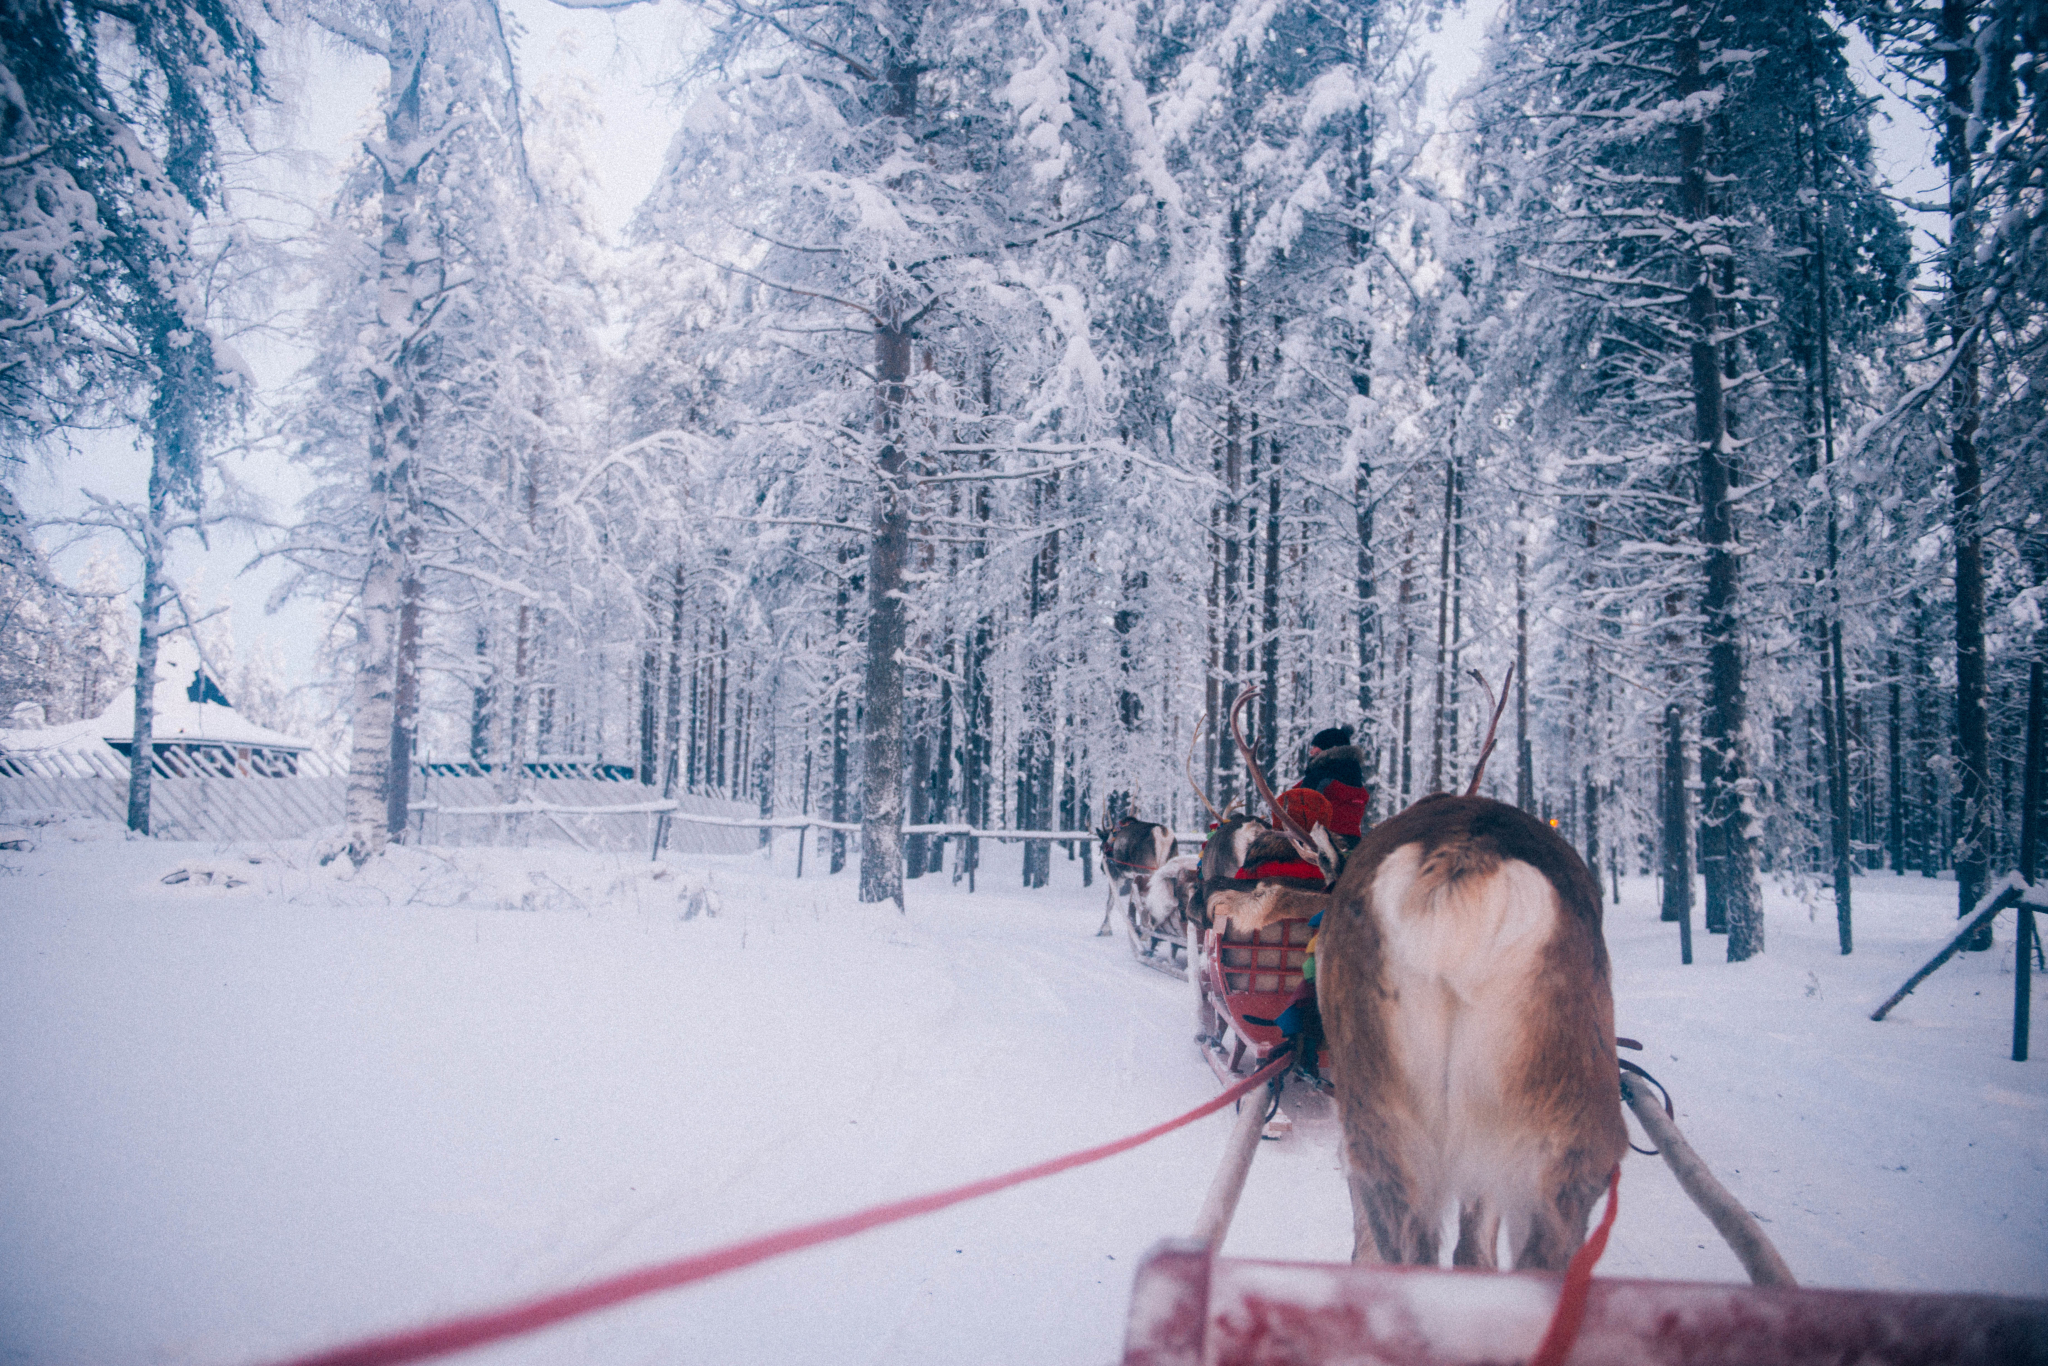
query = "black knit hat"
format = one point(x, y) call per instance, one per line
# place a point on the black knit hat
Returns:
point(1331, 738)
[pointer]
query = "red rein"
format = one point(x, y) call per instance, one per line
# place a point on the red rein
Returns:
point(1570, 1313)
point(452, 1335)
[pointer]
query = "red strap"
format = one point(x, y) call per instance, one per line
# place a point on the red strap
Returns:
point(1570, 1313)
point(453, 1335)
point(1281, 868)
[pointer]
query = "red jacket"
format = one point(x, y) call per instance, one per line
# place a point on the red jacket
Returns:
point(1347, 807)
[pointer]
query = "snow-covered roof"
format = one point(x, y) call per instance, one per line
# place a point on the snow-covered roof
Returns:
point(190, 708)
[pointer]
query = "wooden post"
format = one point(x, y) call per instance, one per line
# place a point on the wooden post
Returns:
point(1221, 1203)
point(2008, 894)
point(1737, 1227)
point(2030, 836)
point(2023, 982)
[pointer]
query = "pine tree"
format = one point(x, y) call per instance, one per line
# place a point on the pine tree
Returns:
point(110, 134)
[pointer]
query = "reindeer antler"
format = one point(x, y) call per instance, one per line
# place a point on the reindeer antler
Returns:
point(1499, 705)
point(1188, 765)
point(1287, 822)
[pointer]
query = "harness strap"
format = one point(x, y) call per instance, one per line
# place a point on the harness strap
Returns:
point(1570, 1314)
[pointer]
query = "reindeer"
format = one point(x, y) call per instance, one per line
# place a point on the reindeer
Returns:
point(1133, 851)
point(1469, 1022)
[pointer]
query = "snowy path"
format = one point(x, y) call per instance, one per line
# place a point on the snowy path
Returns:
point(242, 1122)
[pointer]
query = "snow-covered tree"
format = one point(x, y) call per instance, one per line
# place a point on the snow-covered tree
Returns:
point(110, 132)
point(1669, 234)
point(433, 413)
point(899, 198)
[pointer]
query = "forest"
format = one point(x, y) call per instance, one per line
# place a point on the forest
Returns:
point(987, 397)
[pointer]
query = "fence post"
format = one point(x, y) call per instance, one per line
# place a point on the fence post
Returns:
point(2030, 835)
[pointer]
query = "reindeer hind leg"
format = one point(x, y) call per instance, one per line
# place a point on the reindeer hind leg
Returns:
point(1385, 1224)
point(1478, 1236)
point(1556, 1228)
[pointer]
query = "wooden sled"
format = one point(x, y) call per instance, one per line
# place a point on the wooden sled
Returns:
point(1191, 1308)
point(1241, 976)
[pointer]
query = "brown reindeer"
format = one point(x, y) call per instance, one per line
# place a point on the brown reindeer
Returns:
point(1463, 983)
point(1132, 853)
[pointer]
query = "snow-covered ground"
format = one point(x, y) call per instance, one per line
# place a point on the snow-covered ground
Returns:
point(243, 1121)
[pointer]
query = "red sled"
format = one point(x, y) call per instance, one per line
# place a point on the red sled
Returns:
point(1241, 976)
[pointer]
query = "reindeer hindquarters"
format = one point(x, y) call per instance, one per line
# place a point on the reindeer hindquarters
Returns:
point(1266, 904)
point(1467, 983)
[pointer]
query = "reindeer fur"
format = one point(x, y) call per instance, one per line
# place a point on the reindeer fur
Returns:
point(1132, 854)
point(1469, 1022)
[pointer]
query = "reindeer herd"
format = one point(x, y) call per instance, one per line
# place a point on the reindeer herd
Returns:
point(1467, 1017)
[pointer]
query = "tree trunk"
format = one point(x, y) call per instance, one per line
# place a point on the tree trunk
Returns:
point(403, 309)
point(513, 766)
point(1733, 896)
point(914, 852)
point(142, 740)
point(1895, 828)
point(942, 776)
point(1525, 759)
point(649, 683)
point(405, 706)
point(1453, 754)
point(480, 711)
point(1035, 758)
point(1404, 662)
point(375, 713)
point(1230, 683)
point(979, 726)
point(725, 742)
point(1269, 625)
point(881, 834)
point(1973, 737)
point(1677, 827)
point(1834, 671)
point(1372, 733)
point(1592, 788)
point(842, 720)
point(1439, 723)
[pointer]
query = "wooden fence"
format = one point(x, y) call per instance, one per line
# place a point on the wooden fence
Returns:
point(450, 806)
point(589, 813)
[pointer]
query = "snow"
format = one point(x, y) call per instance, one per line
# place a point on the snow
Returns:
point(246, 1121)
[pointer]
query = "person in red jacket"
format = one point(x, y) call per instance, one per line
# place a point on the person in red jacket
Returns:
point(1336, 768)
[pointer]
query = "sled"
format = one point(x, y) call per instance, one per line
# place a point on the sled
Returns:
point(1192, 1308)
point(1239, 978)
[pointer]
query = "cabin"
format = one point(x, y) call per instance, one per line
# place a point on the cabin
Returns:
point(197, 734)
